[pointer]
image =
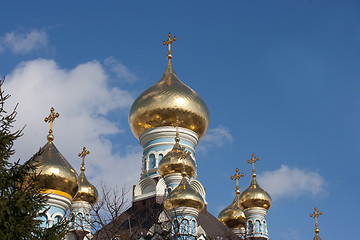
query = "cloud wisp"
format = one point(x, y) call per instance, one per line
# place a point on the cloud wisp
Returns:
point(121, 72)
point(23, 42)
point(287, 182)
point(215, 137)
point(84, 100)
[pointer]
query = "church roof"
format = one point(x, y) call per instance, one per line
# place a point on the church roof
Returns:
point(140, 217)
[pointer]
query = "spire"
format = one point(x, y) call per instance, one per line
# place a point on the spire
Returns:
point(50, 119)
point(315, 215)
point(252, 161)
point(83, 155)
point(177, 124)
point(169, 42)
point(237, 176)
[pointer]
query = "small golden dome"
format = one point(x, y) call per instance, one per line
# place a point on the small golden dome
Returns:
point(317, 237)
point(233, 216)
point(165, 102)
point(177, 161)
point(255, 196)
point(87, 192)
point(56, 175)
point(184, 196)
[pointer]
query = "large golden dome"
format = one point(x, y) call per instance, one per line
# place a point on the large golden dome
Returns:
point(167, 102)
point(177, 161)
point(87, 192)
point(184, 196)
point(233, 216)
point(255, 196)
point(56, 175)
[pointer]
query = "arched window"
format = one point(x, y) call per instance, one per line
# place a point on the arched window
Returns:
point(79, 220)
point(57, 219)
point(151, 161)
point(160, 157)
point(44, 221)
point(184, 227)
point(145, 164)
point(250, 226)
point(176, 227)
point(193, 227)
point(72, 220)
point(87, 220)
point(264, 227)
point(257, 226)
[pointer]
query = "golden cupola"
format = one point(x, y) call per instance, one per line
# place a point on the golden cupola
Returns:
point(177, 161)
point(87, 192)
point(254, 195)
point(233, 216)
point(184, 196)
point(56, 175)
point(166, 101)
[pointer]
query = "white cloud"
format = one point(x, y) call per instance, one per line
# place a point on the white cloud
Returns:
point(120, 70)
point(215, 137)
point(291, 182)
point(24, 42)
point(84, 99)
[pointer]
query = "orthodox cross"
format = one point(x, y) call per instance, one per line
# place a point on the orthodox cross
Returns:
point(83, 155)
point(315, 215)
point(184, 153)
point(50, 119)
point(169, 42)
point(252, 161)
point(237, 176)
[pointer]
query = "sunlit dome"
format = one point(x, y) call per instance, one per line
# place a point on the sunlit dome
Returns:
point(177, 161)
point(233, 216)
point(56, 175)
point(255, 196)
point(166, 102)
point(184, 196)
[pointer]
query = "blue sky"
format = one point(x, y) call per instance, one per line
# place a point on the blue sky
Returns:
point(280, 79)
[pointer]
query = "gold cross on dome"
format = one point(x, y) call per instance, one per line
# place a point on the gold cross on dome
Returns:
point(83, 155)
point(184, 153)
point(252, 161)
point(169, 42)
point(177, 124)
point(315, 215)
point(237, 176)
point(50, 119)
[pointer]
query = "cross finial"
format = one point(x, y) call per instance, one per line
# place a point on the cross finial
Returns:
point(50, 119)
point(184, 153)
point(83, 155)
point(237, 176)
point(315, 215)
point(177, 124)
point(169, 42)
point(252, 161)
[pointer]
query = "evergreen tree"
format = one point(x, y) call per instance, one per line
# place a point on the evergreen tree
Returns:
point(20, 201)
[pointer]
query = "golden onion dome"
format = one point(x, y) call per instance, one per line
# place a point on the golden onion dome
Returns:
point(87, 192)
point(165, 102)
point(177, 161)
point(184, 196)
point(255, 196)
point(233, 216)
point(56, 175)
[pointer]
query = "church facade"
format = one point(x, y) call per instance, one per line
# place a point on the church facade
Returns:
point(168, 201)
